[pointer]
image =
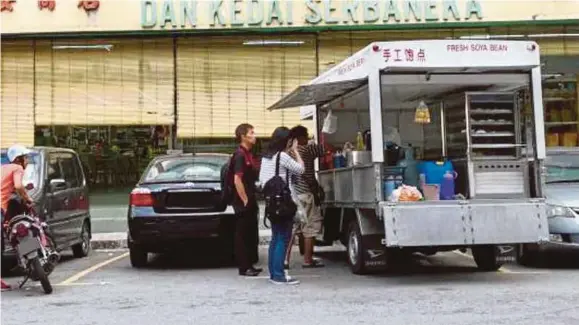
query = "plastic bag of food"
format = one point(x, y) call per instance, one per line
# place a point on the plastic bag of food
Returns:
point(395, 195)
point(330, 123)
point(409, 194)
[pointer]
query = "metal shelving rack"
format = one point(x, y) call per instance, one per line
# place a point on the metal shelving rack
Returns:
point(493, 125)
point(484, 141)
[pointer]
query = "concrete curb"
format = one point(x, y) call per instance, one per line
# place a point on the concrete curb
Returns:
point(116, 240)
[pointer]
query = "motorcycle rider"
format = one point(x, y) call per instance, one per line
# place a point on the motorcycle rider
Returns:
point(11, 184)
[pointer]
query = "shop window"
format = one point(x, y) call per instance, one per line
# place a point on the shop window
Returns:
point(560, 101)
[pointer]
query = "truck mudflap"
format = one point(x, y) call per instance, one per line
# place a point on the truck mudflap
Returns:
point(450, 223)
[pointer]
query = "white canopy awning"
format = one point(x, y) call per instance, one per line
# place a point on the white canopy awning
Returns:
point(314, 94)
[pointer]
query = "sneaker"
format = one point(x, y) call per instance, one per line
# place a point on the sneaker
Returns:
point(287, 281)
point(5, 286)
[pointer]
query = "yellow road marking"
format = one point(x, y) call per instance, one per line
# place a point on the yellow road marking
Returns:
point(93, 268)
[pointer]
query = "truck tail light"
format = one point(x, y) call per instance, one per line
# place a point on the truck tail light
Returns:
point(141, 197)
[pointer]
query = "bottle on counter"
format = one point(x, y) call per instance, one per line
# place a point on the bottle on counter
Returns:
point(360, 142)
point(398, 180)
point(410, 167)
point(422, 181)
point(389, 186)
point(447, 186)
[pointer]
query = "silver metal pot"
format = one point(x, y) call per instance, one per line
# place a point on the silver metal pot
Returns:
point(358, 158)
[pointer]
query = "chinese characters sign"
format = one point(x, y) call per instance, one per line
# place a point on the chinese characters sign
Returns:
point(404, 55)
point(47, 4)
point(88, 5)
point(7, 5)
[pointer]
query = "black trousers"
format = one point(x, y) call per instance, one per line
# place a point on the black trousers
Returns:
point(246, 237)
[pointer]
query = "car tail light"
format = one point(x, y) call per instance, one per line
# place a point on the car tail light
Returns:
point(141, 197)
point(21, 230)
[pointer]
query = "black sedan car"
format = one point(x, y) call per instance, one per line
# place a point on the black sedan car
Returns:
point(178, 202)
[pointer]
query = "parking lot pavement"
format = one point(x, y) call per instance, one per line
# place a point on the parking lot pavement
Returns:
point(192, 288)
point(65, 271)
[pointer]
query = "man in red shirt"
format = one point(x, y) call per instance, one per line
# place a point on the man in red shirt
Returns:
point(245, 202)
point(11, 182)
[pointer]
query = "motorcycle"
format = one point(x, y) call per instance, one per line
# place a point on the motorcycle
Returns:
point(35, 248)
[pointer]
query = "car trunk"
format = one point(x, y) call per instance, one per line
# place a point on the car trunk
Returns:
point(188, 200)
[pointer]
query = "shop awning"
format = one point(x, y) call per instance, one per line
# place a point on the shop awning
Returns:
point(314, 94)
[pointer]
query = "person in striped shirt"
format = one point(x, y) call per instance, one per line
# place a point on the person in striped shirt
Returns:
point(305, 190)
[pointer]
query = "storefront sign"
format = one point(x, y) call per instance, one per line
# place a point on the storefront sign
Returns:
point(256, 13)
point(206, 15)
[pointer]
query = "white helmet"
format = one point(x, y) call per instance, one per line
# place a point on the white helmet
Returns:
point(17, 151)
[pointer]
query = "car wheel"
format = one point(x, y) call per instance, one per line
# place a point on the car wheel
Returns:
point(138, 256)
point(82, 249)
point(486, 258)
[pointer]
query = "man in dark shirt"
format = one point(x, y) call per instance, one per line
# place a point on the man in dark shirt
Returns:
point(245, 202)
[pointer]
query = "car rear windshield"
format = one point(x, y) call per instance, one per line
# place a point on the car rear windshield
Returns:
point(186, 169)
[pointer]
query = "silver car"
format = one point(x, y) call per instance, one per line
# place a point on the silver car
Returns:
point(562, 195)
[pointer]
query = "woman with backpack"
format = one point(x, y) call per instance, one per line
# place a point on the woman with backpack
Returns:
point(276, 168)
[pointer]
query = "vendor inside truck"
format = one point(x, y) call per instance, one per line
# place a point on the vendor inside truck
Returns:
point(435, 154)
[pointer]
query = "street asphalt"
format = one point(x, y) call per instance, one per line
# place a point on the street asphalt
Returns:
point(194, 288)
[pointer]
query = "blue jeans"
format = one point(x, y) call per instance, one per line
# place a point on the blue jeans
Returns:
point(280, 236)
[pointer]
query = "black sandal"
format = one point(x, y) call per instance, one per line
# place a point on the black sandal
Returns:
point(315, 264)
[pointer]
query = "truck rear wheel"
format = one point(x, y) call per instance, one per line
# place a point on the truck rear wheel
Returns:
point(355, 249)
point(486, 258)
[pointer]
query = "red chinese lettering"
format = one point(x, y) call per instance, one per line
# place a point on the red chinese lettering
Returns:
point(47, 4)
point(409, 55)
point(88, 5)
point(386, 54)
point(397, 55)
point(421, 55)
point(7, 5)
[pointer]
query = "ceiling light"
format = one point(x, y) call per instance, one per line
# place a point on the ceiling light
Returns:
point(107, 47)
point(268, 42)
point(483, 37)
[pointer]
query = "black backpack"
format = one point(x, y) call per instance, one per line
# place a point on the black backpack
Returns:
point(279, 205)
point(227, 186)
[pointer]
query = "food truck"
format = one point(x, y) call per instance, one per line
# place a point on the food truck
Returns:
point(439, 146)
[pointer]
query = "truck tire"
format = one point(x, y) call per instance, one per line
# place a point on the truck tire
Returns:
point(356, 249)
point(526, 256)
point(138, 256)
point(486, 258)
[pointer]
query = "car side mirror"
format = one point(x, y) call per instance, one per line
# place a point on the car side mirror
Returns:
point(57, 184)
point(29, 186)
